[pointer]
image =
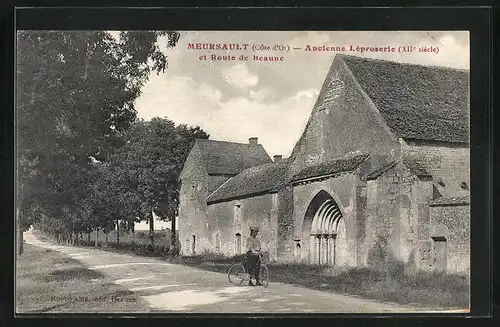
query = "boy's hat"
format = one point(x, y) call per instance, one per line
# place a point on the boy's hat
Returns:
point(254, 228)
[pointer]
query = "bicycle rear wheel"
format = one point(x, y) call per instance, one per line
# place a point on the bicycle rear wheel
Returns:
point(236, 274)
point(264, 275)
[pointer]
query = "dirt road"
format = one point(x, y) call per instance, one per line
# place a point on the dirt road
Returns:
point(177, 288)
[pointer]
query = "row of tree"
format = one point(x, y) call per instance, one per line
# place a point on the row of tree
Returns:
point(85, 161)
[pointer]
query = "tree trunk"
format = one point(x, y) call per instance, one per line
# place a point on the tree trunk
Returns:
point(151, 229)
point(106, 233)
point(133, 232)
point(88, 236)
point(173, 236)
point(20, 240)
point(117, 231)
point(96, 237)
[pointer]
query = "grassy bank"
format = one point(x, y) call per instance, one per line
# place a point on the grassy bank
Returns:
point(138, 242)
point(392, 285)
point(48, 281)
point(421, 289)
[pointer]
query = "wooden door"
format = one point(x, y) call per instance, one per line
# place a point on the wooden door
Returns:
point(440, 255)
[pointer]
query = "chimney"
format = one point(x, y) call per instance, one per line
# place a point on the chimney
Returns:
point(253, 141)
point(277, 158)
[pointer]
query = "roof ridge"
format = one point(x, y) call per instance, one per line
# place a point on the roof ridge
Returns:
point(342, 55)
point(223, 141)
point(268, 163)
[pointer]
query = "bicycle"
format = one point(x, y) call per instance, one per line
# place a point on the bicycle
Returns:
point(237, 273)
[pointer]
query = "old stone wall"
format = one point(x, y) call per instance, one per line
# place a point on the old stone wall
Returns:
point(344, 190)
point(193, 220)
point(382, 238)
point(344, 122)
point(236, 216)
point(408, 210)
point(449, 165)
point(398, 219)
point(451, 224)
point(285, 245)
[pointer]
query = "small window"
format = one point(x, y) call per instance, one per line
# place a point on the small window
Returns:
point(193, 244)
point(237, 243)
point(297, 253)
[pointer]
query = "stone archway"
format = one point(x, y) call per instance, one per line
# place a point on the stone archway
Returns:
point(324, 228)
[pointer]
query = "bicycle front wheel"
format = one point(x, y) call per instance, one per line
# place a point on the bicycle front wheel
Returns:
point(264, 275)
point(236, 274)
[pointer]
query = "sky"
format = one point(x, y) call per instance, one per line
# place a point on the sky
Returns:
point(236, 100)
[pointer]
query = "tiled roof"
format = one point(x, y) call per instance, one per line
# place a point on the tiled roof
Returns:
point(376, 173)
point(450, 201)
point(343, 164)
point(228, 158)
point(416, 166)
point(417, 102)
point(252, 181)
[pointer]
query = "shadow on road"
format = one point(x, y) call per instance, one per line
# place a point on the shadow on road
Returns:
point(79, 273)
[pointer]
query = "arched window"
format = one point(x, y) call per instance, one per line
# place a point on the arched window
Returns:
point(323, 222)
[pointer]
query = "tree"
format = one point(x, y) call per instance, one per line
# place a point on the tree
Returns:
point(148, 167)
point(75, 95)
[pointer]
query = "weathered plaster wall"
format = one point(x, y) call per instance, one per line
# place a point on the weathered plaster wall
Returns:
point(347, 124)
point(449, 164)
point(193, 220)
point(453, 223)
point(382, 234)
point(237, 216)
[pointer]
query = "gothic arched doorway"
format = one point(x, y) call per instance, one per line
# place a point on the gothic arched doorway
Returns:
point(324, 228)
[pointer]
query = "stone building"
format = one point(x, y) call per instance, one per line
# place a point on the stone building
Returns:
point(381, 172)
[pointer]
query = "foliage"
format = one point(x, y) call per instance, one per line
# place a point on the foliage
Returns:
point(145, 170)
point(75, 97)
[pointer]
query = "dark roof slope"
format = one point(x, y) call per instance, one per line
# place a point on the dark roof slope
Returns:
point(379, 171)
point(252, 181)
point(417, 102)
point(228, 158)
point(343, 164)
